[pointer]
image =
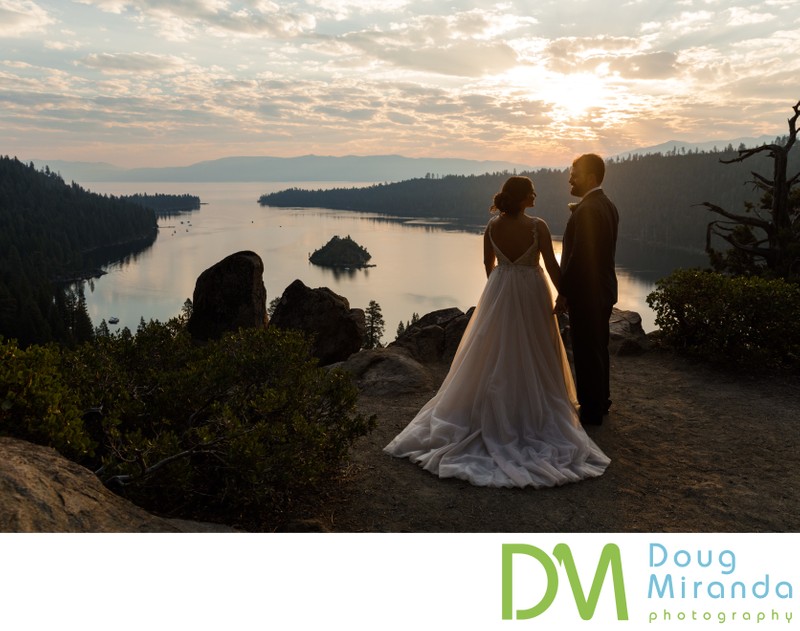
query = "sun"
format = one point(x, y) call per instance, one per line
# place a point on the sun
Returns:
point(571, 95)
point(566, 96)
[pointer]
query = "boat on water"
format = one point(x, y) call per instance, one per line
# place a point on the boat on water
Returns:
point(113, 320)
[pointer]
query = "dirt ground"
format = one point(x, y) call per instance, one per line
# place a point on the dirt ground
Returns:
point(693, 449)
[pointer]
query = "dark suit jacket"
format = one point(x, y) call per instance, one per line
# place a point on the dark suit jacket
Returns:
point(587, 254)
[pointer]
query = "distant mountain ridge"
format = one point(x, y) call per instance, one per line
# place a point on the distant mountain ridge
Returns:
point(386, 168)
point(313, 168)
point(707, 145)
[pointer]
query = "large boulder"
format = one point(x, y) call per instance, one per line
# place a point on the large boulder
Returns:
point(41, 491)
point(627, 334)
point(435, 337)
point(228, 296)
point(337, 330)
point(387, 372)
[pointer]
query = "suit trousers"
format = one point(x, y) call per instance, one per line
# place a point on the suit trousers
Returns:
point(589, 330)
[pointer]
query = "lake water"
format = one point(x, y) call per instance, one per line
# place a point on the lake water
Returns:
point(419, 266)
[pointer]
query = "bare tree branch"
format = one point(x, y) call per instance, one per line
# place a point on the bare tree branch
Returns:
point(744, 154)
point(747, 153)
point(793, 126)
point(126, 479)
point(744, 219)
point(767, 184)
point(750, 248)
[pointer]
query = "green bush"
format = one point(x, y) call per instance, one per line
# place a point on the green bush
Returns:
point(236, 430)
point(743, 321)
point(35, 402)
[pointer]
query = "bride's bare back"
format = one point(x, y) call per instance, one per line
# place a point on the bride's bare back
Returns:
point(514, 235)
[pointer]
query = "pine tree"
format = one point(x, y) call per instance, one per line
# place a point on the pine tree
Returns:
point(373, 330)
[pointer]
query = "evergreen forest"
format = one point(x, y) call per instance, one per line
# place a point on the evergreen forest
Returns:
point(51, 235)
point(166, 205)
point(659, 196)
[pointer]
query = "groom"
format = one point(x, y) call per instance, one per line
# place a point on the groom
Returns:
point(588, 288)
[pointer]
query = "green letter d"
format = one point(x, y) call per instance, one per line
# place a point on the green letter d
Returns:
point(509, 550)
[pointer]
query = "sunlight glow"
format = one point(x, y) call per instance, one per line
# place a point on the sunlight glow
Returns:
point(565, 95)
point(575, 94)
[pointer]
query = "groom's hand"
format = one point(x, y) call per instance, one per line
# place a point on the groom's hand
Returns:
point(561, 305)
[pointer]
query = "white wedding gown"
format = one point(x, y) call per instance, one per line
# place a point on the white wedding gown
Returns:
point(505, 415)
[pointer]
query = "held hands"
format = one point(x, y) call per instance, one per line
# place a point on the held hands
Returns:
point(561, 305)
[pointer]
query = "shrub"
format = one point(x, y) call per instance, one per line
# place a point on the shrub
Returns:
point(743, 321)
point(235, 430)
point(35, 402)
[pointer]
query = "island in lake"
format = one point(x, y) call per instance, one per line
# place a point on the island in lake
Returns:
point(166, 205)
point(341, 252)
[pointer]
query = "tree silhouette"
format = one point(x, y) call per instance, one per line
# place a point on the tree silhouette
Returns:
point(765, 240)
point(373, 331)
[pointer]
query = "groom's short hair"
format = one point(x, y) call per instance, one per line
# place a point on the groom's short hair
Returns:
point(592, 163)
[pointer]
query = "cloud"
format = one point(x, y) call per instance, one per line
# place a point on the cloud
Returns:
point(61, 45)
point(466, 44)
point(584, 54)
point(401, 119)
point(343, 9)
point(742, 16)
point(21, 18)
point(659, 65)
point(456, 59)
point(135, 63)
point(189, 19)
point(691, 22)
point(627, 56)
point(344, 113)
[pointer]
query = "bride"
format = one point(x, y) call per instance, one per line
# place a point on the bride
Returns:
point(506, 413)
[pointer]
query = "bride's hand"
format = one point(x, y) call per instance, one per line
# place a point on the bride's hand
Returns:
point(561, 305)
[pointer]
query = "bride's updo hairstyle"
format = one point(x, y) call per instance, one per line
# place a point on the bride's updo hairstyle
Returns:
point(510, 197)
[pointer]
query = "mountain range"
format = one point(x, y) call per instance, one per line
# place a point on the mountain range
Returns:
point(708, 145)
point(312, 168)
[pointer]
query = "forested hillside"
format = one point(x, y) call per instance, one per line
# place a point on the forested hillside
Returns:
point(48, 231)
point(166, 205)
point(656, 195)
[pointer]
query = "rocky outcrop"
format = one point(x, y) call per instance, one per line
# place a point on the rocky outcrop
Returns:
point(337, 330)
point(403, 366)
point(435, 336)
point(387, 372)
point(41, 491)
point(627, 335)
point(228, 296)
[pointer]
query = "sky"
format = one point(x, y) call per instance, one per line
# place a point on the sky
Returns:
point(536, 82)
